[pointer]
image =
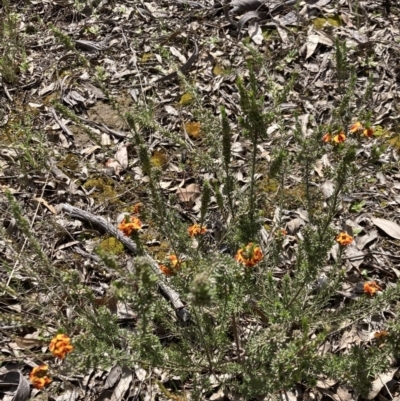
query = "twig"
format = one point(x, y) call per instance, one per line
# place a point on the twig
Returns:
point(167, 292)
point(62, 125)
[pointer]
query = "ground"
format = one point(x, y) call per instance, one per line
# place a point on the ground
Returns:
point(70, 73)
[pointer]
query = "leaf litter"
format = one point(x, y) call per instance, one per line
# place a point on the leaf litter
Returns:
point(100, 136)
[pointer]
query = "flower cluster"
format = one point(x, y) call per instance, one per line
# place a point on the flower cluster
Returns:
point(171, 265)
point(370, 288)
point(130, 225)
point(39, 376)
point(344, 239)
point(358, 128)
point(196, 229)
point(249, 255)
point(60, 346)
point(338, 138)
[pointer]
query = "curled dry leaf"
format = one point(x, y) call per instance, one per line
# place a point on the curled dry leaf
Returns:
point(121, 156)
point(114, 166)
point(240, 6)
point(189, 194)
point(380, 382)
point(16, 385)
point(294, 225)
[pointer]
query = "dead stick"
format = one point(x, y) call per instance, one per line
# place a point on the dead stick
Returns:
point(168, 293)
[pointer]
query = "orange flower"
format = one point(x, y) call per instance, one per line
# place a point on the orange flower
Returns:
point(60, 346)
point(356, 127)
point(129, 225)
point(339, 138)
point(381, 334)
point(370, 288)
point(327, 137)
point(249, 255)
point(368, 132)
point(171, 266)
point(38, 376)
point(344, 239)
point(196, 229)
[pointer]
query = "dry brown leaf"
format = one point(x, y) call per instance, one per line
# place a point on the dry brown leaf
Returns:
point(28, 343)
point(240, 6)
point(356, 256)
point(294, 225)
point(44, 202)
point(16, 385)
point(121, 156)
point(389, 227)
point(363, 240)
point(189, 194)
point(123, 385)
point(114, 165)
point(380, 382)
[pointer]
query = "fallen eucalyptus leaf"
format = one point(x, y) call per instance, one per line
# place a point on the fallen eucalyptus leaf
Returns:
point(389, 227)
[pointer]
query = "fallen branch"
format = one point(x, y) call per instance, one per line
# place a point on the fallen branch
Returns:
point(166, 291)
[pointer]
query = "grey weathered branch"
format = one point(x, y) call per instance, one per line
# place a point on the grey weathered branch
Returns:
point(168, 293)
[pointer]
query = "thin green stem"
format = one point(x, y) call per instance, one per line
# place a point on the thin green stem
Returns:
point(252, 178)
point(203, 340)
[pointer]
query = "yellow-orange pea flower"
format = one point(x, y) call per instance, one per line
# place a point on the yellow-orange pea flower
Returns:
point(370, 288)
point(368, 132)
point(339, 138)
point(60, 346)
point(249, 255)
point(170, 266)
point(130, 225)
point(356, 127)
point(39, 376)
point(327, 137)
point(196, 229)
point(344, 239)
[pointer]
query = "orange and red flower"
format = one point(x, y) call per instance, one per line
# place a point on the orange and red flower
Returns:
point(170, 266)
point(368, 132)
point(60, 346)
point(130, 225)
point(196, 229)
point(356, 127)
point(327, 137)
point(339, 138)
point(249, 255)
point(370, 288)
point(344, 239)
point(39, 376)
